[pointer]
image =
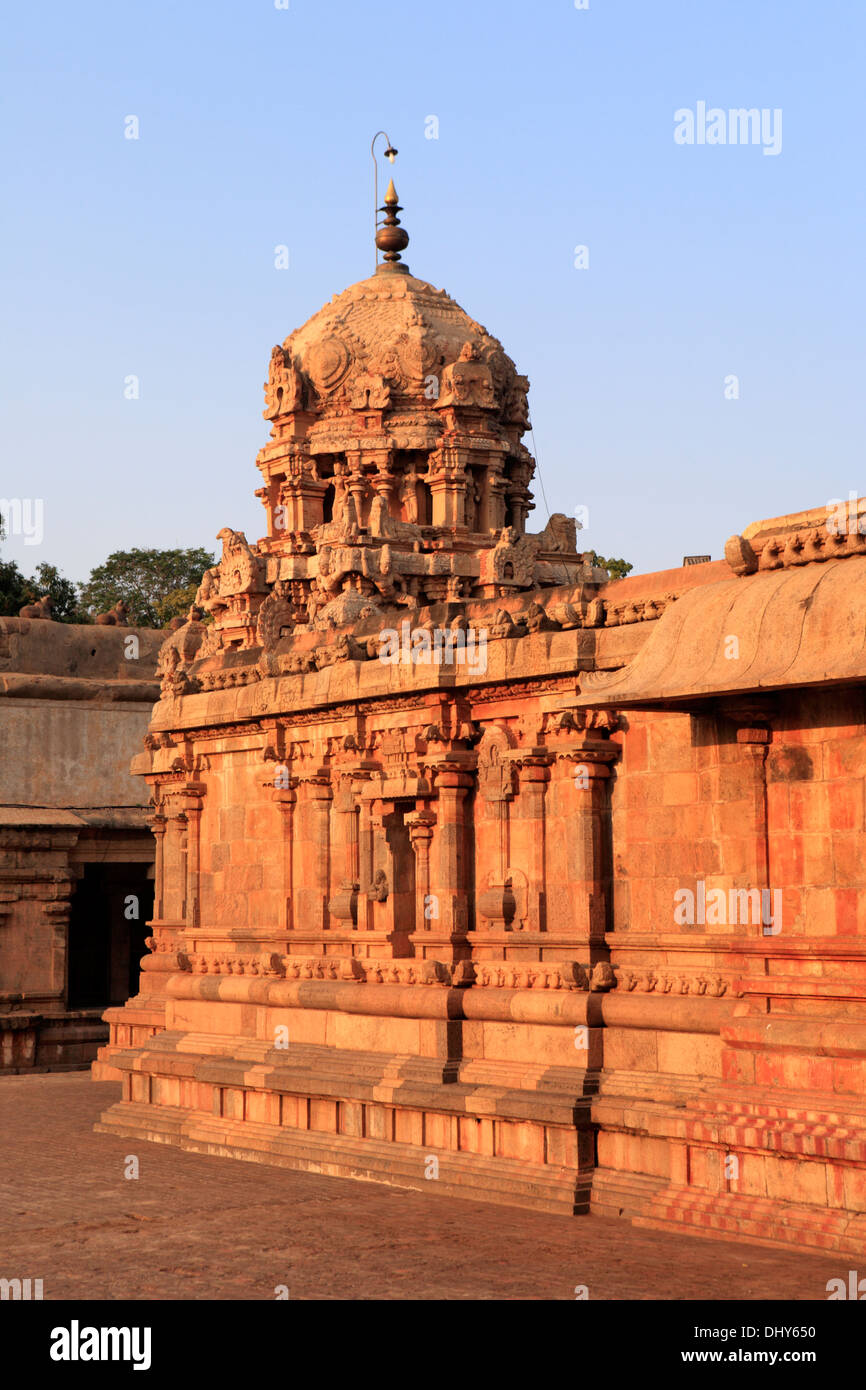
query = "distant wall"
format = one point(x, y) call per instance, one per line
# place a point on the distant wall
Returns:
point(71, 754)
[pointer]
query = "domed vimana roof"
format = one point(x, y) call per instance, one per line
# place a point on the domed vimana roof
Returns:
point(396, 344)
point(401, 329)
point(395, 475)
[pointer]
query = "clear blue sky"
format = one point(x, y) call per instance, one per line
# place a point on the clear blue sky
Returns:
point(155, 257)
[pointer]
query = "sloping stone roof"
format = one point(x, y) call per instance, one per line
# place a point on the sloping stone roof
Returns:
point(793, 627)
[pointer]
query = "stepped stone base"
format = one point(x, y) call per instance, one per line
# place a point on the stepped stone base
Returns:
point(369, 1116)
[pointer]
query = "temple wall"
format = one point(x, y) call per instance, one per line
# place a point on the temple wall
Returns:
point(549, 838)
point(66, 754)
point(74, 702)
point(768, 799)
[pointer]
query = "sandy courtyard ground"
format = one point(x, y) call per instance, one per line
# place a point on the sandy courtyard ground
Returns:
point(195, 1227)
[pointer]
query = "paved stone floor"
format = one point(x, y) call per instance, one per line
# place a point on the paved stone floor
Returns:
point(194, 1227)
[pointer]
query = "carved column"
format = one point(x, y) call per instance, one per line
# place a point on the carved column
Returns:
point(534, 774)
point(447, 481)
point(449, 849)
point(285, 798)
point(174, 865)
point(494, 497)
point(343, 905)
point(358, 489)
point(157, 823)
point(588, 771)
point(365, 863)
point(752, 722)
point(314, 891)
point(421, 823)
point(193, 859)
point(383, 483)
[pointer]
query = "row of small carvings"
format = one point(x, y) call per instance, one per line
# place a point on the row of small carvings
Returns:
point(348, 648)
point(671, 982)
point(568, 974)
point(562, 974)
point(800, 548)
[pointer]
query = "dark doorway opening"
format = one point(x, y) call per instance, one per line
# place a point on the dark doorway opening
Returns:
point(110, 909)
point(425, 505)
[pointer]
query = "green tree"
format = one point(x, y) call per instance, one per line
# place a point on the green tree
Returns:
point(617, 569)
point(155, 585)
point(177, 603)
point(64, 594)
point(13, 589)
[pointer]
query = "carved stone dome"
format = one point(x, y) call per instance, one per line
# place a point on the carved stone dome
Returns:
point(394, 342)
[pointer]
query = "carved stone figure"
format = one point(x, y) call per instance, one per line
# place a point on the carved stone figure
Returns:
point(284, 388)
point(560, 534)
point(276, 617)
point(118, 616)
point(370, 392)
point(41, 609)
point(468, 381)
point(409, 496)
point(378, 890)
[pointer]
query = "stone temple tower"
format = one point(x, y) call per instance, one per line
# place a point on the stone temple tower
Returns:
point(362, 770)
point(474, 865)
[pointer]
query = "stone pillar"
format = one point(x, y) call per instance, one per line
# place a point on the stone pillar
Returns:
point(421, 824)
point(315, 861)
point(358, 491)
point(365, 863)
point(301, 496)
point(753, 743)
point(343, 905)
point(447, 482)
point(534, 774)
point(57, 913)
point(174, 867)
point(193, 861)
point(383, 482)
point(587, 870)
point(285, 798)
point(449, 849)
point(157, 823)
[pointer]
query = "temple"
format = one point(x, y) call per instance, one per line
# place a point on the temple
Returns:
point(477, 869)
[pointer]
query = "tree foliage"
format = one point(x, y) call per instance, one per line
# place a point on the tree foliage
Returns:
point(16, 590)
point(13, 589)
point(64, 594)
point(617, 569)
point(155, 585)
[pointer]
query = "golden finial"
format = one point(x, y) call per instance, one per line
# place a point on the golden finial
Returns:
point(391, 238)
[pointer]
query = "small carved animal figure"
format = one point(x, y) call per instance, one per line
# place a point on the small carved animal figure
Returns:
point(118, 616)
point(41, 609)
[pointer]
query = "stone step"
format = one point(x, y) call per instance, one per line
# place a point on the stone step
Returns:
point(470, 1176)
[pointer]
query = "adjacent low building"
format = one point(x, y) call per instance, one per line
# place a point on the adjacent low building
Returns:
point(76, 853)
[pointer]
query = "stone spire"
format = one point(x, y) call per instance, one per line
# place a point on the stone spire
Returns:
point(391, 238)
